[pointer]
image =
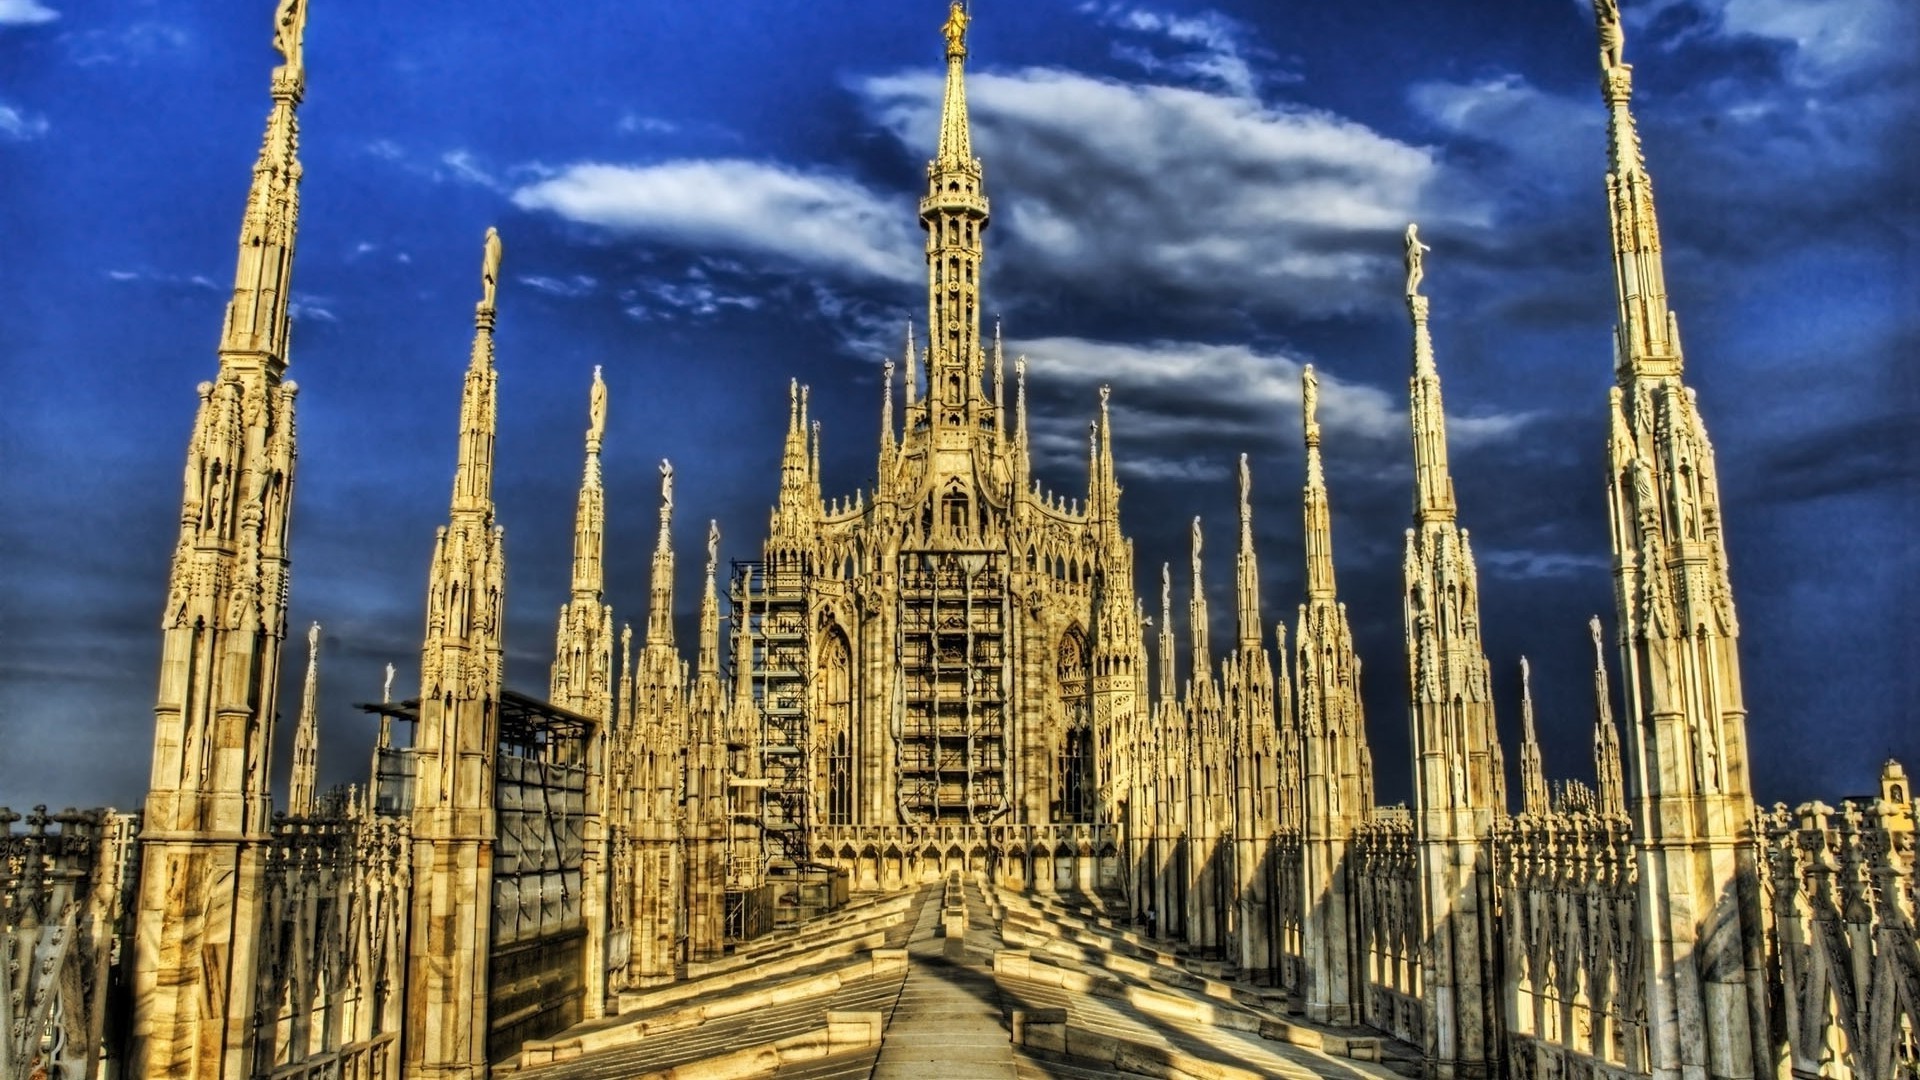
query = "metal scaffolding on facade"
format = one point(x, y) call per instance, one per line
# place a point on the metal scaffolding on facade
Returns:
point(953, 661)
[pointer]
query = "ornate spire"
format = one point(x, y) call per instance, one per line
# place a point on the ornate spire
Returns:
point(255, 334)
point(956, 146)
point(589, 529)
point(473, 476)
point(1197, 612)
point(301, 798)
point(1609, 779)
point(462, 663)
point(954, 214)
point(1168, 661)
point(660, 610)
point(709, 660)
point(1247, 568)
point(913, 371)
point(1648, 342)
point(1533, 776)
point(582, 676)
point(1433, 486)
point(1319, 518)
point(886, 424)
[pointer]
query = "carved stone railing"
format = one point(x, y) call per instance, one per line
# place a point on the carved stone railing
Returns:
point(66, 896)
point(328, 997)
point(1575, 989)
point(1076, 857)
point(1840, 887)
point(1386, 875)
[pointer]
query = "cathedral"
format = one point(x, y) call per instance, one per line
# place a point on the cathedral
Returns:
point(934, 799)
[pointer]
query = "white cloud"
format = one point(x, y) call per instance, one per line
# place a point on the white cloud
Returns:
point(127, 44)
point(1831, 39)
point(577, 285)
point(1162, 189)
point(305, 307)
point(1211, 47)
point(1540, 564)
point(25, 13)
point(19, 126)
point(813, 219)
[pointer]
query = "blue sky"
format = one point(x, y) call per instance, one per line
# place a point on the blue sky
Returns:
point(1190, 200)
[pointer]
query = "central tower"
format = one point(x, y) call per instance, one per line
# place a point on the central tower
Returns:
point(957, 646)
point(954, 214)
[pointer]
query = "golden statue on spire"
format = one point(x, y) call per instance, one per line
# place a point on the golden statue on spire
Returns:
point(956, 30)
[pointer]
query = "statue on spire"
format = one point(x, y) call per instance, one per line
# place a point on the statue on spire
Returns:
point(713, 546)
point(1415, 272)
point(1196, 548)
point(956, 29)
point(1613, 40)
point(1309, 396)
point(666, 491)
point(1246, 491)
point(597, 409)
point(490, 268)
point(289, 28)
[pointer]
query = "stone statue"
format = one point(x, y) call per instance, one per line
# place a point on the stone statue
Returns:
point(1415, 272)
point(1246, 490)
point(1613, 41)
point(1166, 594)
point(1196, 549)
point(597, 408)
point(713, 545)
point(1309, 394)
point(490, 268)
point(666, 489)
point(289, 27)
point(956, 29)
point(386, 688)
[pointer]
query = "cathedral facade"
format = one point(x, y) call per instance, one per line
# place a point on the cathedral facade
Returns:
point(944, 684)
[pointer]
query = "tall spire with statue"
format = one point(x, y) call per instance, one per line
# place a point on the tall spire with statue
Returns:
point(208, 810)
point(1459, 773)
point(1337, 783)
point(583, 682)
point(302, 793)
point(1686, 720)
point(461, 671)
point(954, 215)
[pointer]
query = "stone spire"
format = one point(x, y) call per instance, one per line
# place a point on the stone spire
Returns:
point(1247, 567)
point(1609, 778)
point(1000, 389)
point(1533, 774)
point(1459, 786)
point(1319, 519)
point(1022, 461)
point(887, 441)
point(708, 665)
point(913, 372)
point(461, 667)
point(582, 677)
point(302, 794)
point(660, 605)
point(1335, 778)
point(1693, 809)
point(1169, 684)
point(208, 809)
point(1197, 614)
point(1432, 485)
point(954, 214)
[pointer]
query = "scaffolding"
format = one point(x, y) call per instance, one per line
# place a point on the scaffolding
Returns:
point(772, 599)
point(953, 663)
